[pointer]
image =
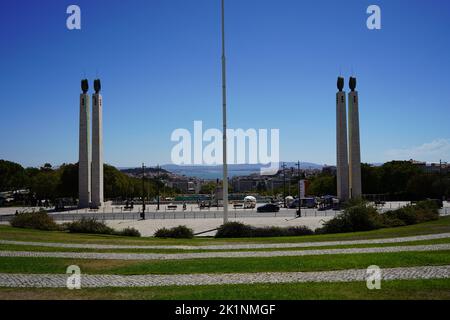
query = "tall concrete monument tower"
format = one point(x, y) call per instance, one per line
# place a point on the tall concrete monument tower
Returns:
point(84, 152)
point(354, 141)
point(341, 143)
point(97, 146)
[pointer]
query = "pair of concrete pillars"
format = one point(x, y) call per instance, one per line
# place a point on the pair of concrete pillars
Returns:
point(348, 160)
point(90, 163)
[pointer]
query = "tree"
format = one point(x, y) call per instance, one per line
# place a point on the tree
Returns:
point(45, 184)
point(371, 179)
point(395, 176)
point(68, 182)
point(323, 185)
point(12, 176)
point(208, 188)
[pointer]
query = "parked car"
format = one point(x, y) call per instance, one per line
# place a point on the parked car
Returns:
point(270, 207)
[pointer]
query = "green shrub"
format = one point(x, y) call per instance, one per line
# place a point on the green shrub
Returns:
point(354, 202)
point(88, 226)
point(180, 232)
point(423, 211)
point(406, 214)
point(360, 217)
point(234, 230)
point(34, 220)
point(265, 232)
point(429, 204)
point(424, 215)
point(299, 231)
point(280, 232)
point(128, 232)
point(392, 222)
point(240, 230)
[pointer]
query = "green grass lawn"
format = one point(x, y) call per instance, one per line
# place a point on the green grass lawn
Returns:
point(8, 233)
point(13, 247)
point(405, 289)
point(226, 265)
point(398, 289)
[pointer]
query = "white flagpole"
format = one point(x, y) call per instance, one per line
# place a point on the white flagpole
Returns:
point(224, 116)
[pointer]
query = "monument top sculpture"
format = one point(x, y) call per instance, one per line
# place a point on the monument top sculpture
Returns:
point(352, 83)
point(340, 83)
point(84, 86)
point(97, 86)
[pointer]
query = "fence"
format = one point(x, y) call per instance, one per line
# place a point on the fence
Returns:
point(205, 214)
point(202, 214)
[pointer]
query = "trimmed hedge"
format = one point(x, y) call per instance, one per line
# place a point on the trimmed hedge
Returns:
point(362, 217)
point(34, 220)
point(180, 232)
point(128, 232)
point(240, 230)
point(423, 211)
point(97, 227)
point(88, 226)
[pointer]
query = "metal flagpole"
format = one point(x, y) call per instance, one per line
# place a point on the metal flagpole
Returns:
point(224, 116)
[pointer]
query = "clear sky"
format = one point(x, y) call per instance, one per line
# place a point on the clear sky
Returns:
point(159, 61)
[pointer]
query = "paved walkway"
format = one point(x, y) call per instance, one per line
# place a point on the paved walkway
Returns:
point(91, 281)
point(227, 254)
point(230, 246)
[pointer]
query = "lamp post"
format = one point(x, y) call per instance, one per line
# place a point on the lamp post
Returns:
point(143, 192)
point(224, 118)
point(284, 183)
point(157, 187)
point(299, 212)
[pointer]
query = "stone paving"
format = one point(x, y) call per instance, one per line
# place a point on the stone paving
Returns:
point(91, 281)
point(231, 246)
point(227, 254)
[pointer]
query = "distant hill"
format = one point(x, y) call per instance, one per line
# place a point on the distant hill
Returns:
point(138, 171)
point(215, 172)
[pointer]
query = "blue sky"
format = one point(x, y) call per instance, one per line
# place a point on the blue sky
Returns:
point(159, 61)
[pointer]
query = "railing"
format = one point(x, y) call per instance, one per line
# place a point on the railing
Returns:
point(198, 214)
point(208, 213)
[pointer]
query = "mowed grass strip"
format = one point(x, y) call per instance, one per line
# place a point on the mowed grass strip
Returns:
point(226, 265)
point(28, 248)
point(434, 289)
point(8, 233)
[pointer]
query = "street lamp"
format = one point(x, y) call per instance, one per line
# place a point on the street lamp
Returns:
point(224, 118)
point(157, 186)
point(284, 183)
point(299, 212)
point(143, 192)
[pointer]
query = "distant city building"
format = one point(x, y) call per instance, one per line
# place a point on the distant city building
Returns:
point(244, 184)
point(330, 170)
point(186, 185)
point(431, 167)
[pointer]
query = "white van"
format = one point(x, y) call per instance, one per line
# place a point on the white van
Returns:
point(249, 202)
